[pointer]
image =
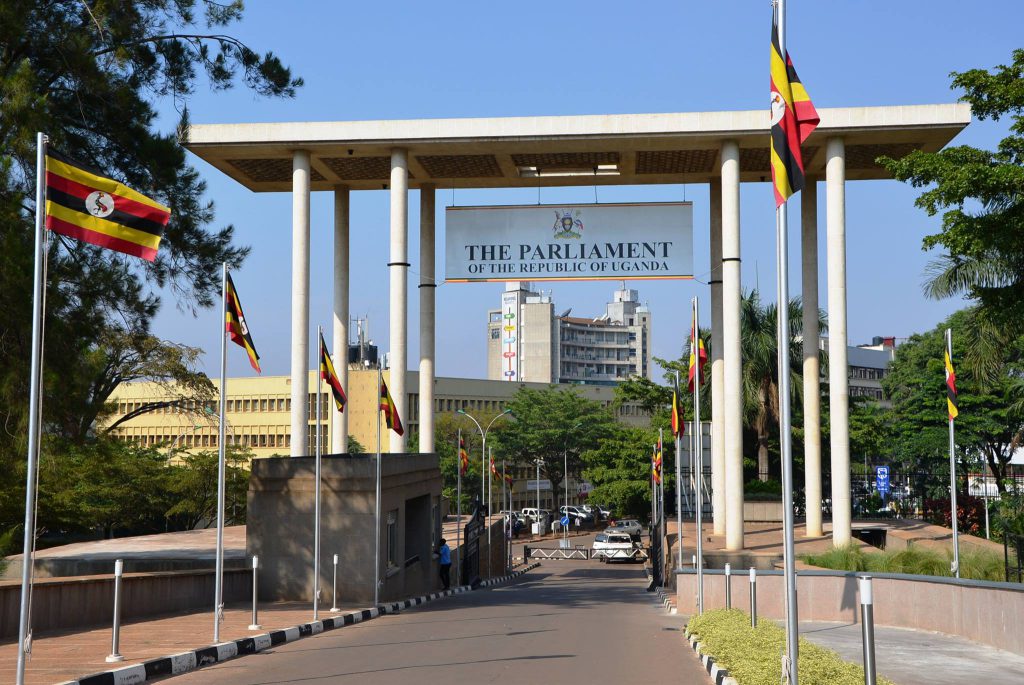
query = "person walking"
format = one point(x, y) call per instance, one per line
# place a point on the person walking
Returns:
point(444, 554)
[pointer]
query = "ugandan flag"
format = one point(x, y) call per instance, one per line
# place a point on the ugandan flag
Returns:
point(793, 118)
point(951, 402)
point(463, 457)
point(508, 480)
point(387, 405)
point(698, 355)
point(83, 204)
point(494, 471)
point(234, 323)
point(677, 412)
point(656, 463)
point(329, 376)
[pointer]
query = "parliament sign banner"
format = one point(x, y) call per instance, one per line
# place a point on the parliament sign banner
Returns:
point(569, 242)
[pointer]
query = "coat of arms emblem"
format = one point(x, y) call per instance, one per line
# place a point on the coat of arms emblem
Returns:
point(568, 224)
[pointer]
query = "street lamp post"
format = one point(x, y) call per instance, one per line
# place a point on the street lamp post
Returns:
point(483, 472)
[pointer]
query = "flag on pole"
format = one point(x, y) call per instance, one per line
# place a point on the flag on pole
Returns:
point(328, 374)
point(656, 463)
point(86, 205)
point(463, 457)
point(494, 470)
point(951, 401)
point(677, 411)
point(235, 324)
point(793, 117)
point(698, 355)
point(387, 405)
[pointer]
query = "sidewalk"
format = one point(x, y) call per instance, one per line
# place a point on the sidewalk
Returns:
point(57, 657)
point(913, 657)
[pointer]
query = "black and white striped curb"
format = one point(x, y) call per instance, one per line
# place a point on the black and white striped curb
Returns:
point(719, 676)
point(184, 662)
point(666, 601)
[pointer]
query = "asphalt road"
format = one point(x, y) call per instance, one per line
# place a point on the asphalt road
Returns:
point(566, 622)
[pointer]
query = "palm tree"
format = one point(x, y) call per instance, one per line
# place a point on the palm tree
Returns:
point(759, 349)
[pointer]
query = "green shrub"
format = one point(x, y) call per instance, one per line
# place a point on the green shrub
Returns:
point(974, 564)
point(845, 558)
point(754, 655)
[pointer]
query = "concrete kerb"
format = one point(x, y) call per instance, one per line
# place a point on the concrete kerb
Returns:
point(666, 599)
point(719, 676)
point(176, 664)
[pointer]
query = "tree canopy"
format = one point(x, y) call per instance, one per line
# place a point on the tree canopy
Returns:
point(89, 76)
point(980, 194)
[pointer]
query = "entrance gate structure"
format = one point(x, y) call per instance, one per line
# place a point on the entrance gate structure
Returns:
point(722, 149)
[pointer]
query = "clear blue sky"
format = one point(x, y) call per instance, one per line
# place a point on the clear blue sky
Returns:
point(407, 60)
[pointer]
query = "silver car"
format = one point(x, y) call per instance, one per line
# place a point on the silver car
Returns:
point(632, 527)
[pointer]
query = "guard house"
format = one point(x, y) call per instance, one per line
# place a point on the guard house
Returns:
point(279, 527)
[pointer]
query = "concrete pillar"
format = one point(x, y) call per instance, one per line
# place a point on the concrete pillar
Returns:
point(838, 381)
point(399, 305)
point(339, 344)
point(811, 370)
point(733, 373)
point(428, 290)
point(300, 303)
point(717, 363)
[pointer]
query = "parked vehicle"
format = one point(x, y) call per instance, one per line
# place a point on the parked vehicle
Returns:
point(535, 515)
point(615, 547)
point(577, 516)
point(631, 527)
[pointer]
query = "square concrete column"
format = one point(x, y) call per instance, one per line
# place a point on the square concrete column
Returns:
point(732, 351)
point(717, 363)
point(399, 303)
point(300, 304)
point(838, 380)
point(339, 344)
point(811, 368)
point(428, 290)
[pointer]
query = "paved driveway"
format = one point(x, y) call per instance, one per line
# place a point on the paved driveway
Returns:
point(566, 622)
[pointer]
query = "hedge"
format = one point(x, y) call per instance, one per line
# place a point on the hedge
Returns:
point(753, 656)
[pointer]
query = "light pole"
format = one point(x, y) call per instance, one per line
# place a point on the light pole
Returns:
point(565, 477)
point(483, 472)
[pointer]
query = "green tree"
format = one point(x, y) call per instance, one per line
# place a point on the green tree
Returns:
point(89, 74)
point(990, 424)
point(979, 193)
point(103, 485)
point(619, 468)
point(555, 425)
point(194, 488)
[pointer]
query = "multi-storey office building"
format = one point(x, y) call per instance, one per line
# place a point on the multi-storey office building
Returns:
point(526, 341)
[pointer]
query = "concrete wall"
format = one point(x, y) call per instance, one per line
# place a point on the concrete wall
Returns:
point(71, 603)
point(989, 613)
point(279, 525)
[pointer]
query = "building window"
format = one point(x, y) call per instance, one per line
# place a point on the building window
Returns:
point(263, 405)
point(495, 333)
point(245, 405)
point(392, 538)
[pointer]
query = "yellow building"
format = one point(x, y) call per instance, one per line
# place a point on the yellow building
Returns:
point(258, 410)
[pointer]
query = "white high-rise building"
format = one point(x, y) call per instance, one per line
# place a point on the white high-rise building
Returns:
point(527, 341)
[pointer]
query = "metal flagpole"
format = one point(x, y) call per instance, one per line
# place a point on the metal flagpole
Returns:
point(489, 492)
point(218, 602)
point(316, 497)
point(952, 468)
point(698, 440)
point(458, 509)
point(376, 547)
point(34, 411)
point(679, 482)
point(785, 427)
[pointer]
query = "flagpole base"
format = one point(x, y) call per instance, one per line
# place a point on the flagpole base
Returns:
point(255, 626)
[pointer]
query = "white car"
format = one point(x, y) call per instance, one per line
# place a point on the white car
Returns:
point(615, 546)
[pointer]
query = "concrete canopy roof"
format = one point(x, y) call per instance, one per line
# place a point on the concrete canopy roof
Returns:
point(614, 149)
